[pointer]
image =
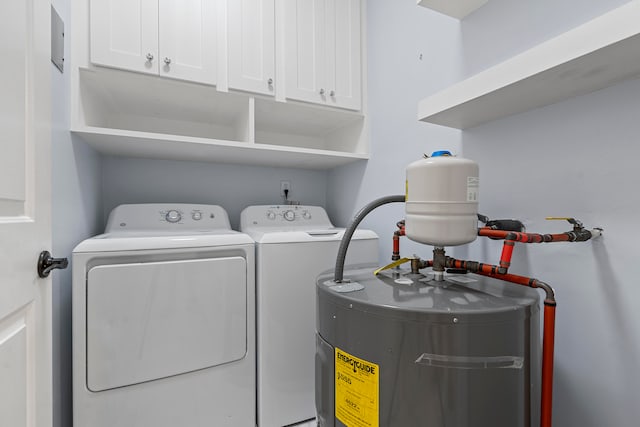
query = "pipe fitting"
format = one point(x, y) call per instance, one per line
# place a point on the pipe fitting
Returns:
point(439, 259)
point(583, 235)
point(416, 265)
point(550, 295)
point(439, 263)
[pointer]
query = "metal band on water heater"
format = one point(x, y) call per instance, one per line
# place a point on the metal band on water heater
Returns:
point(442, 200)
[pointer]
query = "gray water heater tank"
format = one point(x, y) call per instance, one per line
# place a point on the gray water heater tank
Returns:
point(459, 353)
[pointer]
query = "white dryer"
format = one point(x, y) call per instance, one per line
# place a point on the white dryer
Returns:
point(164, 320)
point(294, 244)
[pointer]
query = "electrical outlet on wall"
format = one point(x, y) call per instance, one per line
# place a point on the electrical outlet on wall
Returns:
point(285, 189)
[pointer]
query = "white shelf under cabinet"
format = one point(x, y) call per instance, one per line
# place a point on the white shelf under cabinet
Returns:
point(454, 8)
point(595, 55)
point(129, 114)
point(171, 147)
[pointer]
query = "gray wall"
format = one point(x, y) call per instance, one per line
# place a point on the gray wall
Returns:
point(574, 158)
point(76, 214)
point(234, 187)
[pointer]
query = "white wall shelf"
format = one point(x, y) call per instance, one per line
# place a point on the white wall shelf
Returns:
point(455, 8)
point(595, 55)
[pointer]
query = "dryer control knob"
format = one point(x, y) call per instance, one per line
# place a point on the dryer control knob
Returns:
point(306, 215)
point(289, 215)
point(196, 215)
point(173, 216)
point(271, 215)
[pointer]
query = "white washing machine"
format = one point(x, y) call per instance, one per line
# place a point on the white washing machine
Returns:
point(164, 320)
point(294, 244)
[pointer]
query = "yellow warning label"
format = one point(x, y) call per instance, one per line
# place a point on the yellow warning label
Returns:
point(357, 395)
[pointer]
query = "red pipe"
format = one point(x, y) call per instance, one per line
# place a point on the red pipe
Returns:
point(547, 364)
point(523, 237)
point(395, 255)
point(505, 257)
point(396, 247)
point(548, 328)
point(548, 342)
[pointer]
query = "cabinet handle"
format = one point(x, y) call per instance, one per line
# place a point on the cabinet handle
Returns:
point(321, 91)
point(332, 93)
point(167, 61)
point(149, 57)
point(270, 82)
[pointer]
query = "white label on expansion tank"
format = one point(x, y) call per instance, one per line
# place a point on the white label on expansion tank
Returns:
point(473, 187)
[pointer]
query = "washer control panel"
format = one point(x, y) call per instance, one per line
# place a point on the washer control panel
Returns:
point(284, 216)
point(176, 216)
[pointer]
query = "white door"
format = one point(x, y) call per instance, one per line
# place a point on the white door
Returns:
point(251, 51)
point(25, 229)
point(343, 50)
point(124, 34)
point(188, 40)
point(305, 50)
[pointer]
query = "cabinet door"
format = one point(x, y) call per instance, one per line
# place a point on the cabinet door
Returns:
point(188, 40)
point(343, 54)
point(305, 50)
point(124, 34)
point(251, 38)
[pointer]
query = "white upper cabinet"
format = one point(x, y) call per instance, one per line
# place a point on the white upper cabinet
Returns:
point(304, 50)
point(237, 70)
point(172, 38)
point(251, 45)
point(188, 40)
point(124, 34)
point(343, 52)
point(323, 52)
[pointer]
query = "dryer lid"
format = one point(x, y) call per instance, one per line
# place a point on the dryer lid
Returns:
point(115, 242)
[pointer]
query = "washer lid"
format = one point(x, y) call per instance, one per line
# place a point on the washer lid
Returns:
point(303, 236)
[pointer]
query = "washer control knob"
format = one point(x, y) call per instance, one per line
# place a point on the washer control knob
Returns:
point(173, 216)
point(289, 215)
point(196, 215)
point(306, 215)
point(271, 215)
